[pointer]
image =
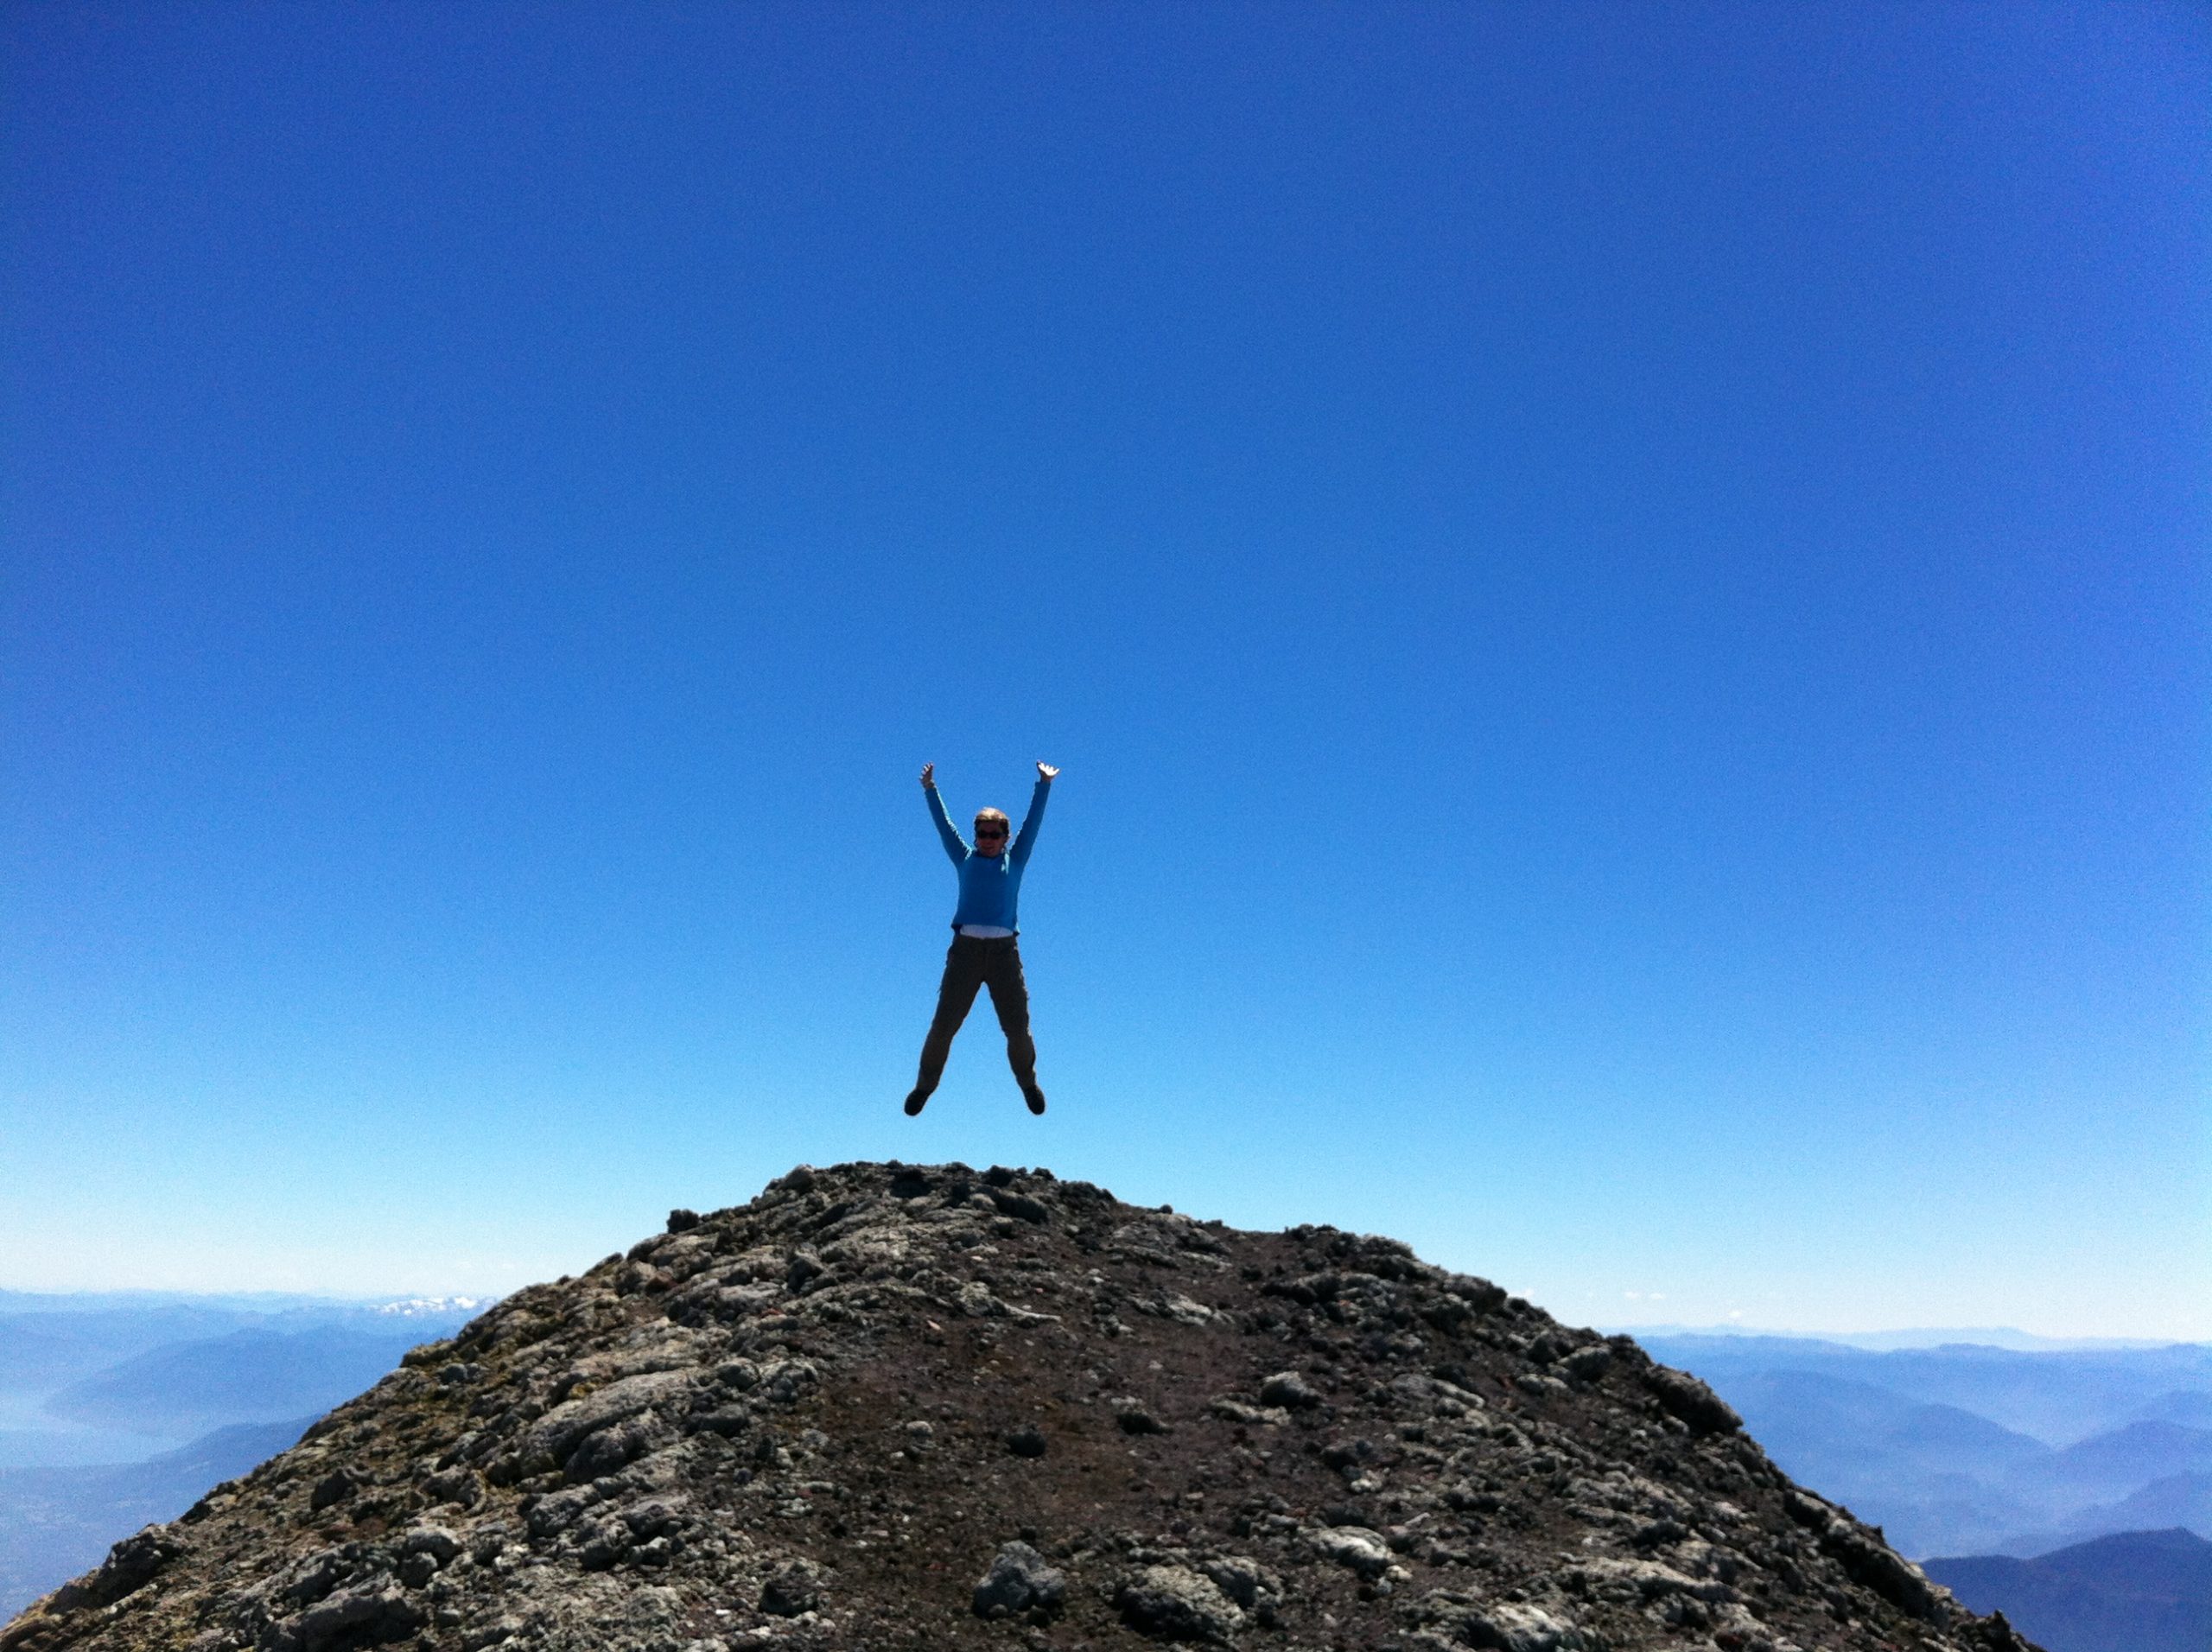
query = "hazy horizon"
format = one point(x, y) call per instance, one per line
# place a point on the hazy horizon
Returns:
point(1871, 1338)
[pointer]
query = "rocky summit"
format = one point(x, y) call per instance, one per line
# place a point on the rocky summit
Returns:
point(889, 1406)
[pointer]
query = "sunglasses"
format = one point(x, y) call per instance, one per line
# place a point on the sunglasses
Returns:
point(990, 831)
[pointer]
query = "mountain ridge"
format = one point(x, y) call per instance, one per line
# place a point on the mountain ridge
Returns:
point(886, 1404)
point(2127, 1591)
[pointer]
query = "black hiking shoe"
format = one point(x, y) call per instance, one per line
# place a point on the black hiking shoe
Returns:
point(1034, 1097)
point(916, 1099)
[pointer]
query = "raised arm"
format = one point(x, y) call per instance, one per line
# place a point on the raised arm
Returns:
point(1026, 840)
point(955, 845)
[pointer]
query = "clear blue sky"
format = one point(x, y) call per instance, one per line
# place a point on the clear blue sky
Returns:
point(1622, 591)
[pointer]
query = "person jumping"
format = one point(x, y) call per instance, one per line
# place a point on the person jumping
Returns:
point(984, 951)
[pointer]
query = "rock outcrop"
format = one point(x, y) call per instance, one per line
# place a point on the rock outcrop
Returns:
point(885, 1406)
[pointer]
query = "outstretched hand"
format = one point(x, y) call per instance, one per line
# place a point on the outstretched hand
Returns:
point(929, 776)
point(1045, 771)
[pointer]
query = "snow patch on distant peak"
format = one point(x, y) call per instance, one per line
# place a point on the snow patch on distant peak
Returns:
point(420, 1307)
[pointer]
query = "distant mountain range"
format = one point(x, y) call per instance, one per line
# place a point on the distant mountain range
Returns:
point(113, 1377)
point(1967, 1450)
point(2003, 1337)
point(257, 1375)
point(2140, 1591)
point(2059, 1396)
point(120, 1410)
point(55, 1523)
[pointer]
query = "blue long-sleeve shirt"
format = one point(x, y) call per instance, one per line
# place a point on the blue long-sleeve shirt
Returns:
point(989, 884)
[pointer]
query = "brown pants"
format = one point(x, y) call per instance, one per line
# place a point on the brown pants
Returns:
point(970, 964)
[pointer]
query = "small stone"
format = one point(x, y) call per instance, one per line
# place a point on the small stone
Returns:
point(1587, 1364)
point(1020, 1580)
point(1021, 1206)
point(1026, 1442)
point(1176, 1604)
point(367, 1615)
point(1241, 1579)
point(129, 1567)
point(728, 1420)
point(790, 1592)
point(1132, 1418)
point(610, 1449)
point(1685, 1397)
point(605, 1543)
point(1355, 1546)
point(440, 1544)
point(459, 1484)
point(1290, 1390)
point(908, 1183)
point(1505, 1626)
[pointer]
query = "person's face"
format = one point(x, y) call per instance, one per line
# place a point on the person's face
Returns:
point(990, 837)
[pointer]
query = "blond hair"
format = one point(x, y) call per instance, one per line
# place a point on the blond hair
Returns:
point(998, 815)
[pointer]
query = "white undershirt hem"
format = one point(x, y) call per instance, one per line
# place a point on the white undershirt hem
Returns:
point(985, 931)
